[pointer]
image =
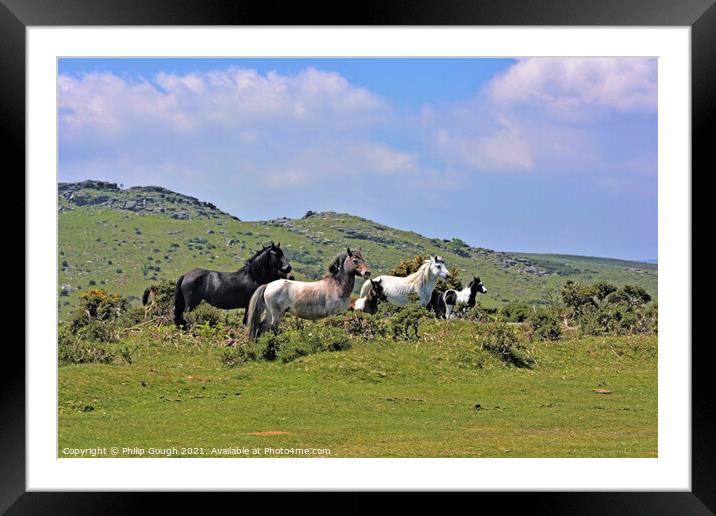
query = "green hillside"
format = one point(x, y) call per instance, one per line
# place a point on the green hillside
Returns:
point(123, 240)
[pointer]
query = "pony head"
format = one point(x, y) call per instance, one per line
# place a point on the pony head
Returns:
point(276, 260)
point(376, 290)
point(438, 268)
point(477, 286)
point(355, 263)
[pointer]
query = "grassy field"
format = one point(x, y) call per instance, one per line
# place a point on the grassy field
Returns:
point(377, 399)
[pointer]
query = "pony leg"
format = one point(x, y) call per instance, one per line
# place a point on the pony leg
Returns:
point(273, 318)
point(448, 311)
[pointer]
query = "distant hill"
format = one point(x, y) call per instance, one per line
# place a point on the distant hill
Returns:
point(142, 200)
point(124, 239)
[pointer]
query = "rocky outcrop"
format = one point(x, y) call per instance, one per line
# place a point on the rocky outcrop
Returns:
point(137, 199)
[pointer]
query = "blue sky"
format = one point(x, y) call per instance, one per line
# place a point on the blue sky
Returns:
point(539, 155)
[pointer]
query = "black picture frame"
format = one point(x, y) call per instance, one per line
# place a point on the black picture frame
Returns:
point(700, 15)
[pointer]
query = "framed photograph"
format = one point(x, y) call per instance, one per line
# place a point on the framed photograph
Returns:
point(414, 250)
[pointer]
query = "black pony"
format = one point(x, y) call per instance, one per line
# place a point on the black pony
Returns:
point(229, 289)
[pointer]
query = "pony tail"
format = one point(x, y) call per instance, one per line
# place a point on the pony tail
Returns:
point(145, 296)
point(255, 310)
point(179, 304)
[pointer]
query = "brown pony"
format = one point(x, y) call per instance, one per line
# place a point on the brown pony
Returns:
point(369, 303)
point(307, 299)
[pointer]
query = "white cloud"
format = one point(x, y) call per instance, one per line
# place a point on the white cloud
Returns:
point(565, 85)
point(542, 114)
point(103, 105)
point(237, 124)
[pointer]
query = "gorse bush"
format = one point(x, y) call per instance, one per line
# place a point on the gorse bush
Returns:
point(307, 341)
point(92, 328)
point(481, 314)
point(404, 324)
point(72, 349)
point(502, 340)
point(163, 307)
point(543, 324)
point(516, 312)
point(630, 295)
point(649, 320)
point(97, 305)
point(83, 352)
point(602, 308)
point(580, 297)
point(98, 331)
point(205, 314)
point(452, 282)
point(361, 324)
point(130, 317)
point(288, 345)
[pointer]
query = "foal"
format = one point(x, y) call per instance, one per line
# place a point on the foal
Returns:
point(307, 299)
point(444, 303)
point(369, 303)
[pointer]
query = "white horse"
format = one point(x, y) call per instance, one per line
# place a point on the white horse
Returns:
point(421, 282)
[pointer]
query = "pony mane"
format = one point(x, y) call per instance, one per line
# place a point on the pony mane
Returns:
point(252, 264)
point(418, 276)
point(337, 264)
point(257, 253)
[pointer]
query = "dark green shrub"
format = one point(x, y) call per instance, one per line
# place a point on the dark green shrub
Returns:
point(311, 339)
point(502, 340)
point(580, 297)
point(163, 307)
point(631, 296)
point(601, 309)
point(361, 324)
point(649, 321)
point(452, 282)
point(289, 344)
point(516, 312)
point(98, 331)
point(205, 314)
point(387, 310)
point(130, 317)
point(244, 352)
point(544, 324)
point(404, 325)
point(481, 314)
point(72, 349)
